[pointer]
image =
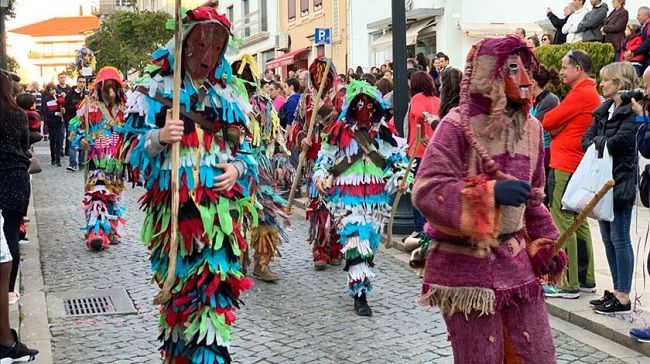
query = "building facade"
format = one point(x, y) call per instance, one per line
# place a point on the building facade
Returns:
point(255, 26)
point(46, 48)
point(298, 22)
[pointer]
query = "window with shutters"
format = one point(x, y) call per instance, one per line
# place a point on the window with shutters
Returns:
point(318, 4)
point(304, 7)
point(291, 7)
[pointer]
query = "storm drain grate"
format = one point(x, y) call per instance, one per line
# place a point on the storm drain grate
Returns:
point(88, 306)
point(90, 302)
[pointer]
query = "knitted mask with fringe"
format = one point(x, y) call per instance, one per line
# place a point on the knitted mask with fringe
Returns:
point(355, 90)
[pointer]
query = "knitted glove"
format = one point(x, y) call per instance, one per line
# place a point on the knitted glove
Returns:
point(511, 192)
point(542, 260)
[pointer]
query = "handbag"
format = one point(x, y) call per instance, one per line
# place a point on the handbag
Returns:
point(34, 166)
point(592, 173)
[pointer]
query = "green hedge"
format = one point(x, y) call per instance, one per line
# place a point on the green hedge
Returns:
point(551, 56)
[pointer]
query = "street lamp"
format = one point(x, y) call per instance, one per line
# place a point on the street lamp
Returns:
point(4, 4)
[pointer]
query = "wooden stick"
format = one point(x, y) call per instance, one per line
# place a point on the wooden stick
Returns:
point(165, 293)
point(310, 131)
point(582, 216)
point(87, 127)
point(402, 187)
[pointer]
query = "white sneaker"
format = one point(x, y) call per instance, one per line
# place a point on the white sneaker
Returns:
point(23, 241)
point(13, 297)
point(71, 168)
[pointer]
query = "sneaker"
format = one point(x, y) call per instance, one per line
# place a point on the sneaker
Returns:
point(556, 291)
point(588, 287)
point(24, 241)
point(13, 297)
point(613, 306)
point(641, 334)
point(18, 353)
point(607, 296)
point(58, 164)
point(71, 168)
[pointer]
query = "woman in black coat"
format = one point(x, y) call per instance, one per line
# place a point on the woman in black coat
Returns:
point(614, 127)
point(14, 165)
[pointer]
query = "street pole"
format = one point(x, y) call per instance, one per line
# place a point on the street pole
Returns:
point(3, 38)
point(400, 87)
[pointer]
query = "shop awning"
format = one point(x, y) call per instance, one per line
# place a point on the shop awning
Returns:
point(411, 34)
point(482, 30)
point(287, 58)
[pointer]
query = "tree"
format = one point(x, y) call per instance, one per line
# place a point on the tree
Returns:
point(126, 39)
point(12, 64)
point(10, 12)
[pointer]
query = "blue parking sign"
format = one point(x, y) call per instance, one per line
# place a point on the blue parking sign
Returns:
point(323, 36)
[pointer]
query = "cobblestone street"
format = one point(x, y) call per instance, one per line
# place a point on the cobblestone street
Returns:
point(304, 318)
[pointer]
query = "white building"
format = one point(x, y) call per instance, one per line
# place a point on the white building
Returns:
point(449, 26)
point(256, 24)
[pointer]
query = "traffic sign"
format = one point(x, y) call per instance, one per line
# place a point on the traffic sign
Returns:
point(323, 36)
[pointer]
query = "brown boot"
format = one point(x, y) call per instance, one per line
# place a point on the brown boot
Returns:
point(265, 274)
point(320, 264)
point(335, 261)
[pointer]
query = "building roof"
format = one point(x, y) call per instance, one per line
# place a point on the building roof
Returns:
point(60, 26)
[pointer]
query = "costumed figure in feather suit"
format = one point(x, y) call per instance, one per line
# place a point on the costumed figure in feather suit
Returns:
point(481, 188)
point(215, 176)
point(359, 166)
point(267, 141)
point(322, 232)
point(103, 191)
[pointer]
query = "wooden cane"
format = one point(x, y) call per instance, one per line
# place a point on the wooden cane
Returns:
point(402, 187)
point(310, 131)
point(87, 129)
point(165, 293)
point(582, 216)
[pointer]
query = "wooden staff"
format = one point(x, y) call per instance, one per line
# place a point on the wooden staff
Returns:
point(310, 131)
point(165, 293)
point(582, 216)
point(402, 186)
point(87, 128)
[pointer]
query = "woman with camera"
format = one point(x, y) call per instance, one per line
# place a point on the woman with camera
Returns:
point(614, 127)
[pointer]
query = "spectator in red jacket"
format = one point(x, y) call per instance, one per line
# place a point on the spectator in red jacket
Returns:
point(567, 124)
point(632, 42)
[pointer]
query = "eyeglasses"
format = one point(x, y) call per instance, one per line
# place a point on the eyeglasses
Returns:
point(573, 57)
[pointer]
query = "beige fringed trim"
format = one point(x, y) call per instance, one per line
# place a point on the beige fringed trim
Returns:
point(451, 300)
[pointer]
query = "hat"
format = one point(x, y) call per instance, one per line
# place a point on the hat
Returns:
point(109, 73)
point(14, 77)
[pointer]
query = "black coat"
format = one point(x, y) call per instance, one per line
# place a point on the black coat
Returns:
point(559, 38)
point(14, 161)
point(619, 134)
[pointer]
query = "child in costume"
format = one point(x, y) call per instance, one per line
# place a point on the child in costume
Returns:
point(215, 174)
point(360, 162)
point(322, 232)
point(103, 191)
point(267, 141)
point(481, 188)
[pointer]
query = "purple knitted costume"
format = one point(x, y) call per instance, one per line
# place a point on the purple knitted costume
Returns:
point(478, 271)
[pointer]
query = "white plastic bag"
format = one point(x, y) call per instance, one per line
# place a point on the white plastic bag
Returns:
point(591, 175)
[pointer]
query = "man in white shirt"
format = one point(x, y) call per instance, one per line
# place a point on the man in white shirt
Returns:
point(571, 26)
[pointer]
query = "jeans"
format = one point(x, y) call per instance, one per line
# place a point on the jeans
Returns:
point(11, 229)
point(74, 160)
point(578, 247)
point(618, 247)
point(56, 141)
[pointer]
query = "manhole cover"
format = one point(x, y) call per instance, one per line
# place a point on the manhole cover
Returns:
point(89, 303)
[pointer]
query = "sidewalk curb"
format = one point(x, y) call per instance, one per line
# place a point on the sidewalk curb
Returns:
point(34, 326)
point(606, 328)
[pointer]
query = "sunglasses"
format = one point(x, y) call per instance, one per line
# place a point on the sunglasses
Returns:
point(571, 55)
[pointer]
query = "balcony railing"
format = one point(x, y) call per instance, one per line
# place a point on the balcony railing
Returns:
point(50, 55)
point(251, 28)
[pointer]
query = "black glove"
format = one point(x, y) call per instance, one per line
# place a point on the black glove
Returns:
point(511, 192)
point(599, 141)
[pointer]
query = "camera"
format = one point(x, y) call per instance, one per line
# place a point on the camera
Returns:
point(627, 95)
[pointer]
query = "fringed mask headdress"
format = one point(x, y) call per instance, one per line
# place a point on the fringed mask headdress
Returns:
point(364, 105)
point(317, 74)
point(497, 74)
point(246, 69)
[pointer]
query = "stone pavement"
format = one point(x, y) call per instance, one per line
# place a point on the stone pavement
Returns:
point(306, 317)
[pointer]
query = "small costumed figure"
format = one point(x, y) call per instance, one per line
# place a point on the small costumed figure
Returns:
point(359, 166)
point(94, 130)
point(267, 142)
point(322, 232)
point(481, 188)
point(215, 176)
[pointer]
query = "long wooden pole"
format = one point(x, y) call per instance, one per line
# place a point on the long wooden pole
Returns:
point(165, 293)
point(402, 187)
point(582, 216)
point(87, 129)
point(310, 131)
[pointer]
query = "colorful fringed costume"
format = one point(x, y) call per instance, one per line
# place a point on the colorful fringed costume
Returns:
point(103, 190)
point(478, 270)
point(363, 162)
point(267, 142)
point(195, 322)
point(322, 232)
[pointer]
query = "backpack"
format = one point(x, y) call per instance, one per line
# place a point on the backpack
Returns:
point(644, 186)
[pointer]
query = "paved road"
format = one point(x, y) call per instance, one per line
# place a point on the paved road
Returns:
point(304, 318)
